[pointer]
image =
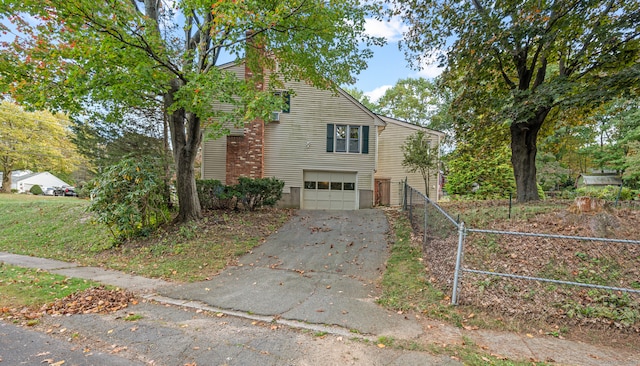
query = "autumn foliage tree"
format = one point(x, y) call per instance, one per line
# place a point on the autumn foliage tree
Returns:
point(515, 62)
point(33, 140)
point(127, 53)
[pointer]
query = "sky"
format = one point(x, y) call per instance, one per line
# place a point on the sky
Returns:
point(388, 64)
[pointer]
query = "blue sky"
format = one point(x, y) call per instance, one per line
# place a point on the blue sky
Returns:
point(388, 64)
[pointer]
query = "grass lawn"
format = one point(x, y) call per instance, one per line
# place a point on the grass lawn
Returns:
point(26, 287)
point(60, 228)
point(50, 227)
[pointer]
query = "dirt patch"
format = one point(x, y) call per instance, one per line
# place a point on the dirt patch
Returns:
point(588, 314)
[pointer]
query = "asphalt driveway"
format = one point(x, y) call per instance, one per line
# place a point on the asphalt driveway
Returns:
point(321, 267)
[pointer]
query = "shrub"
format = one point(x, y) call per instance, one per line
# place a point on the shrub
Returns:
point(128, 198)
point(541, 192)
point(214, 195)
point(609, 193)
point(254, 193)
point(36, 189)
point(248, 193)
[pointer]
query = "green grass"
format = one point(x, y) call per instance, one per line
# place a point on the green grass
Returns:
point(404, 283)
point(50, 227)
point(60, 228)
point(25, 287)
point(133, 317)
point(481, 213)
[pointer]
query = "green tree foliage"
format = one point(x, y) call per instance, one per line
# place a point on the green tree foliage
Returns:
point(129, 53)
point(33, 140)
point(358, 95)
point(553, 175)
point(618, 128)
point(414, 100)
point(107, 143)
point(480, 174)
point(421, 155)
point(128, 198)
point(515, 62)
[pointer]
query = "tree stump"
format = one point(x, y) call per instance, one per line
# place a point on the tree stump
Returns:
point(587, 204)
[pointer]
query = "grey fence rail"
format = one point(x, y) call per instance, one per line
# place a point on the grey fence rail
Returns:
point(444, 240)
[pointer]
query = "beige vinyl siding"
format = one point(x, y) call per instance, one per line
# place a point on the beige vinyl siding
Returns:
point(390, 159)
point(239, 71)
point(214, 159)
point(298, 141)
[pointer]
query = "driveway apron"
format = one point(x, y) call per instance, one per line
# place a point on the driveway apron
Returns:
point(321, 267)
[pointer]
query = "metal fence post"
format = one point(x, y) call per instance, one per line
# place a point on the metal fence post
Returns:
point(411, 205)
point(424, 239)
point(404, 202)
point(456, 275)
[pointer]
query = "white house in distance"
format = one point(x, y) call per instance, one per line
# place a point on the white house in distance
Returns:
point(23, 180)
point(329, 149)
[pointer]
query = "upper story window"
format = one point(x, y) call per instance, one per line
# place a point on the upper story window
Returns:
point(286, 98)
point(348, 139)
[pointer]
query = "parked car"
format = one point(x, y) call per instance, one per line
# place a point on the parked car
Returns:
point(65, 191)
point(48, 191)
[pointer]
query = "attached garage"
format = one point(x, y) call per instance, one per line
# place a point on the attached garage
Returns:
point(325, 190)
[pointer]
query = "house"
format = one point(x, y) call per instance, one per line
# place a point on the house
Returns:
point(23, 180)
point(329, 149)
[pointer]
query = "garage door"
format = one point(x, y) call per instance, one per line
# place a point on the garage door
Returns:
point(329, 191)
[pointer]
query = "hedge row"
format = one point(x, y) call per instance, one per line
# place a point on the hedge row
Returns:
point(248, 194)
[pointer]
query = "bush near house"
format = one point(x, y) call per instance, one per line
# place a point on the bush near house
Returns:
point(248, 194)
point(36, 189)
point(259, 192)
point(214, 195)
point(128, 198)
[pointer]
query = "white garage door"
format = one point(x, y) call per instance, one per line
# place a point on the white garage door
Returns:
point(329, 191)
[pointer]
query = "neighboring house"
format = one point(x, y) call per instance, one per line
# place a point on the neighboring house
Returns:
point(600, 180)
point(329, 149)
point(23, 180)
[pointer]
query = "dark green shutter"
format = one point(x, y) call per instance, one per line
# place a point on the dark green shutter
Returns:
point(287, 102)
point(329, 138)
point(365, 139)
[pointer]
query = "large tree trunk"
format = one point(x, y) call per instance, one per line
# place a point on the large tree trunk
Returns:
point(523, 156)
point(185, 138)
point(6, 181)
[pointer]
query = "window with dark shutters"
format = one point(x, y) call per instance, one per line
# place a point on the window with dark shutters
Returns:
point(347, 138)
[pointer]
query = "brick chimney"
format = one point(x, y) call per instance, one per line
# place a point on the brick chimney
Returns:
point(245, 154)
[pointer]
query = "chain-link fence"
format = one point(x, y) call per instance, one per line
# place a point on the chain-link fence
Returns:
point(496, 266)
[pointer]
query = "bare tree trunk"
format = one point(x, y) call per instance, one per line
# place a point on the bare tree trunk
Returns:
point(425, 178)
point(165, 159)
point(6, 181)
point(523, 156)
point(186, 136)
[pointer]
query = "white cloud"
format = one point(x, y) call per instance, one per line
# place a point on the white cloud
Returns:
point(391, 30)
point(429, 68)
point(378, 92)
point(430, 71)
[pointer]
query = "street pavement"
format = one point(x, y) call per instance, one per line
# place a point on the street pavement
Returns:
point(304, 297)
